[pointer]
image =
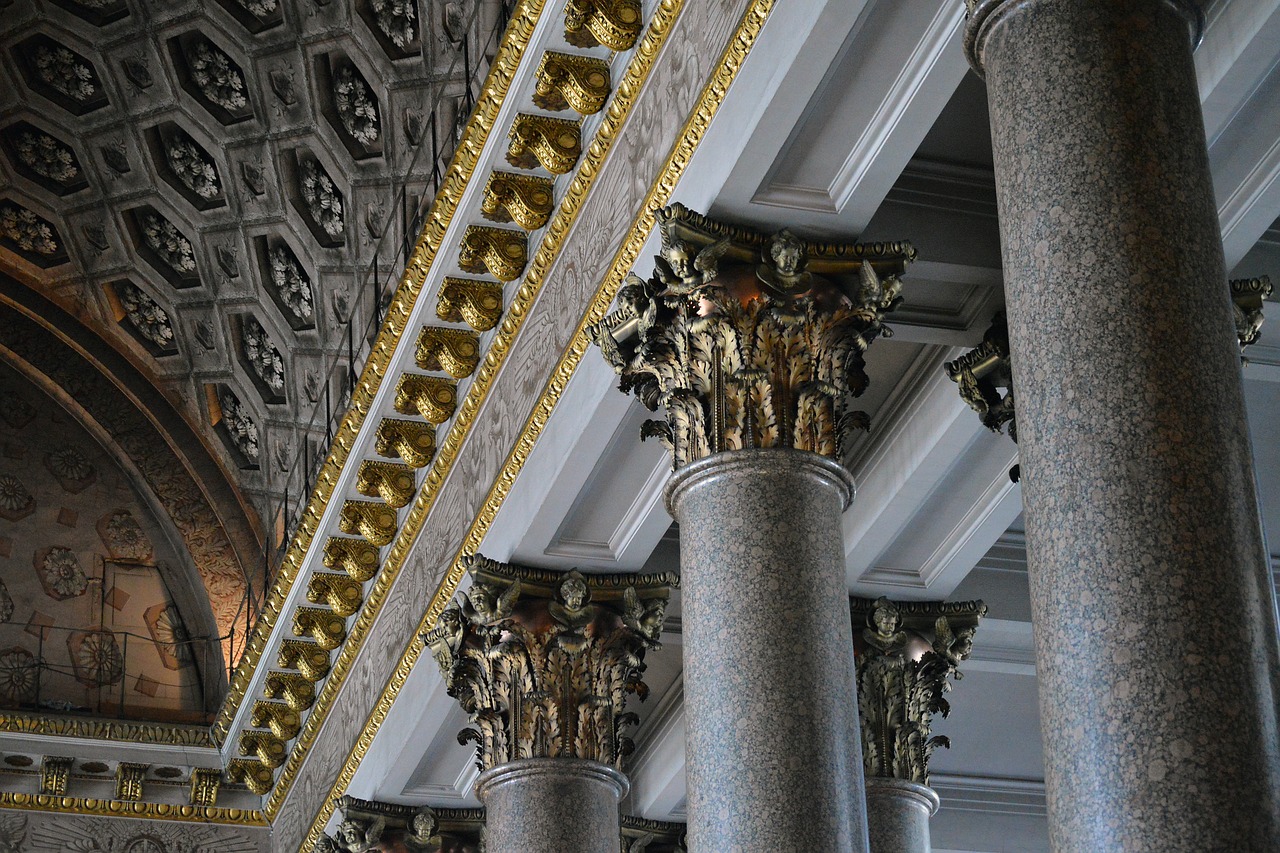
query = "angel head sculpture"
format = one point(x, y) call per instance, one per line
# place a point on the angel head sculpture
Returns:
point(884, 628)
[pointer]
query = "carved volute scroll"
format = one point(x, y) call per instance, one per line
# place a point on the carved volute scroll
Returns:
point(1247, 296)
point(982, 374)
point(750, 340)
point(543, 661)
point(906, 654)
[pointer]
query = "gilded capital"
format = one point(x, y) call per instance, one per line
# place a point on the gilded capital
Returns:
point(751, 340)
point(1247, 296)
point(543, 661)
point(907, 654)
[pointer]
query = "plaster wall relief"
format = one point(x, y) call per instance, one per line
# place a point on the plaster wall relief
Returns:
point(38, 832)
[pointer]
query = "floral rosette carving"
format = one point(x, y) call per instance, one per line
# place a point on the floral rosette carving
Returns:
point(124, 537)
point(167, 242)
point(216, 76)
point(191, 166)
point(6, 603)
point(96, 657)
point(396, 19)
point(291, 283)
point(16, 501)
point(357, 109)
point(264, 359)
point(59, 68)
point(241, 428)
point(17, 675)
point(60, 573)
point(145, 315)
point(321, 197)
point(46, 156)
point(28, 231)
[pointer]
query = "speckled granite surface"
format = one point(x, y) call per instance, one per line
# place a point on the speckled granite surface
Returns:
point(1155, 632)
point(898, 815)
point(773, 755)
point(551, 805)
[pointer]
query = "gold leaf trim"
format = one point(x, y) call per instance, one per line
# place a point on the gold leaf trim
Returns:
point(92, 806)
point(433, 398)
point(612, 23)
point(358, 559)
point(109, 730)
point(391, 481)
point(374, 521)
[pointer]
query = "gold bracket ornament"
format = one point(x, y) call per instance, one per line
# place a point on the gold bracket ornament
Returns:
point(205, 782)
point(129, 777)
point(899, 689)
point(467, 300)
point(431, 397)
point(526, 199)
point(264, 746)
point(356, 557)
point(376, 522)
point(391, 481)
point(981, 373)
point(307, 658)
point(54, 770)
point(254, 775)
point(291, 688)
point(569, 80)
point(1247, 296)
point(341, 593)
point(413, 442)
point(454, 351)
point(555, 143)
point(500, 252)
point(324, 626)
point(615, 24)
point(283, 721)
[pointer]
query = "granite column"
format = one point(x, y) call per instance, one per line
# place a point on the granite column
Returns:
point(1151, 591)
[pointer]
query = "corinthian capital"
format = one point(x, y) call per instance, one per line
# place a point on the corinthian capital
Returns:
point(543, 661)
point(907, 653)
point(751, 340)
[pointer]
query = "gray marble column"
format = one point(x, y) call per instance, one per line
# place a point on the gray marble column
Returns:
point(551, 805)
point(773, 756)
point(898, 815)
point(1152, 600)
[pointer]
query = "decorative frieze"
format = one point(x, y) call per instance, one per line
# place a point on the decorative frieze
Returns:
point(615, 24)
point(553, 143)
point(466, 300)
point(1247, 296)
point(543, 661)
point(566, 80)
point(906, 654)
point(750, 340)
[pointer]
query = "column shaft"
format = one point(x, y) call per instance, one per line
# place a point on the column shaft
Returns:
point(774, 760)
point(898, 815)
point(551, 805)
point(1154, 617)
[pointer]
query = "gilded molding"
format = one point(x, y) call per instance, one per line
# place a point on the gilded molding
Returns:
point(205, 782)
point(129, 776)
point(254, 775)
point(282, 720)
point(374, 521)
point(525, 199)
point(431, 397)
point(553, 143)
point(292, 688)
point(321, 624)
point(613, 23)
point(687, 141)
point(95, 807)
point(54, 770)
point(108, 730)
point(391, 481)
point(567, 80)
point(453, 351)
point(501, 252)
point(412, 441)
point(307, 658)
point(357, 558)
point(1247, 296)
point(466, 300)
point(268, 749)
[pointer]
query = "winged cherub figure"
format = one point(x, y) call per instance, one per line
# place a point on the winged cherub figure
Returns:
point(952, 647)
point(645, 618)
point(355, 838)
point(485, 607)
point(684, 272)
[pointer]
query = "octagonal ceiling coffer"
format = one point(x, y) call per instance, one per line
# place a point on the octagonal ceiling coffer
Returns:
point(163, 245)
point(255, 15)
point(60, 74)
point(395, 25)
point(142, 316)
point(286, 281)
point(97, 12)
point(187, 166)
point(30, 236)
point(209, 74)
point(316, 196)
point(350, 105)
point(42, 158)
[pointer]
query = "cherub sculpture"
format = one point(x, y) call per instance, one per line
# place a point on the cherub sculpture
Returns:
point(421, 830)
point(952, 647)
point(353, 837)
point(484, 607)
point(645, 618)
point(685, 273)
point(884, 628)
point(571, 612)
point(447, 639)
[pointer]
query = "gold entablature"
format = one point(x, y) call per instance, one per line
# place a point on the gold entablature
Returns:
point(307, 658)
point(526, 199)
point(129, 777)
point(324, 626)
point(374, 521)
point(356, 557)
point(500, 252)
point(283, 721)
point(555, 143)
point(205, 782)
point(268, 749)
point(54, 770)
point(431, 397)
point(477, 303)
point(569, 80)
point(391, 481)
point(412, 441)
point(254, 775)
point(292, 688)
point(454, 351)
point(613, 23)
point(106, 807)
point(341, 593)
point(109, 730)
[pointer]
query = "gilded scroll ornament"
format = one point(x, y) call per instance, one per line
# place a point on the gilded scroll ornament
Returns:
point(500, 252)
point(466, 300)
point(567, 80)
point(615, 24)
point(901, 687)
point(526, 199)
point(1247, 295)
point(341, 593)
point(54, 770)
point(282, 720)
point(374, 521)
point(553, 143)
point(292, 689)
point(391, 481)
point(254, 775)
point(750, 340)
point(264, 746)
point(324, 626)
point(454, 351)
point(982, 372)
point(357, 558)
point(129, 777)
point(412, 441)
point(307, 658)
point(543, 661)
point(205, 782)
point(431, 397)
